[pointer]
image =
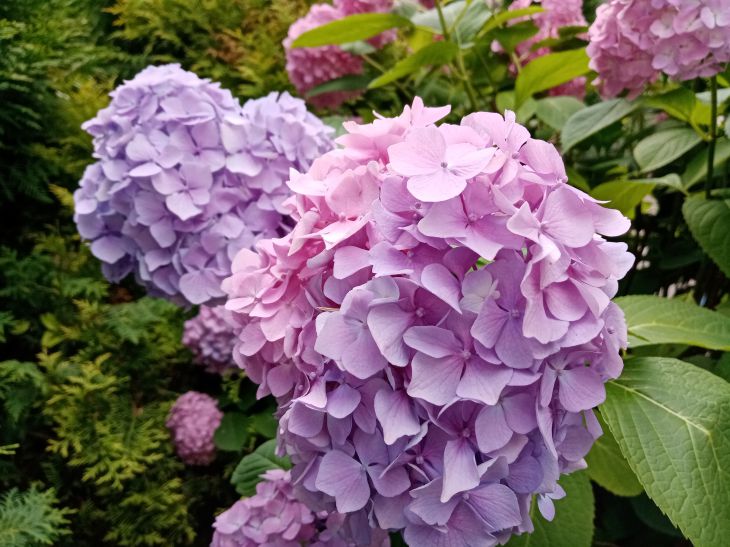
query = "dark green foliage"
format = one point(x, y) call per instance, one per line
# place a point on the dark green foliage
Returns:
point(235, 42)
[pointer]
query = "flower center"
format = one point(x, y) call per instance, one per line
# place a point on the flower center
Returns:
point(466, 433)
point(419, 460)
point(466, 354)
point(514, 314)
point(473, 217)
point(420, 312)
point(444, 165)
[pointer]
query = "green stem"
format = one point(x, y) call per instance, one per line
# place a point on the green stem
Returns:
point(442, 20)
point(713, 137)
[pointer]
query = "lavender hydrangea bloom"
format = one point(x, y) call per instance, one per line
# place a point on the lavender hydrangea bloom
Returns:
point(185, 178)
point(192, 422)
point(211, 336)
point(274, 516)
point(633, 41)
point(421, 388)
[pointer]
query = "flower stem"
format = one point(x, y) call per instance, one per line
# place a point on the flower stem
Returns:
point(713, 137)
point(442, 20)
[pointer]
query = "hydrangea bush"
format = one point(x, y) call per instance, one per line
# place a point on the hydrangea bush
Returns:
point(186, 177)
point(211, 337)
point(437, 327)
point(275, 516)
point(192, 422)
point(633, 41)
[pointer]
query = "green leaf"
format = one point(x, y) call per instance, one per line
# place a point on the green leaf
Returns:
point(577, 180)
point(248, 471)
point(351, 82)
point(510, 37)
point(231, 434)
point(672, 422)
point(435, 54)
point(573, 522)
point(623, 195)
point(506, 101)
point(663, 147)
point(592, 119)
point(464, 18)
point(352, 28)
point(652, 516)
point(499, 19)
point(264, 424)
point(678, 103)
point(696, 170)
point(709, 222)
point(608, 467)
point(550, 71)
point(555, 111)
point(657, 320)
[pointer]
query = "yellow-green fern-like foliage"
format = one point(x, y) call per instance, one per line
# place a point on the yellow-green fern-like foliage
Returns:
point(236, 42)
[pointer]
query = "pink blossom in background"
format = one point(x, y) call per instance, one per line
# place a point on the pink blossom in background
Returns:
point(633, 41)
point(274, 516)
point(211, 336)
point(312, 66)
point(557, 14)
point(422, 389)
point(192, 422)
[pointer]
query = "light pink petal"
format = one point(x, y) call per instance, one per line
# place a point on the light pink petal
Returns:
point(439, 281)
point(420, 154)
point(437, 186)
point(181, 204)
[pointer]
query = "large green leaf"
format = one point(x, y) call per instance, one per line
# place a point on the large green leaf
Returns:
point(696, 170)
point(608, 467)
point(573, 522)
point(663, 147)
point(672, 423)
point(248, 471)
point(436, 54)
point(350, 82)
point(555, 111)
point(625, 195)
point(352, 28)
point(549, 71)
point(232, 432)
point(657, 320)
point(678, 103)
point(591, 120)
point(499, 19)
point(709, 222)
point(464, 18)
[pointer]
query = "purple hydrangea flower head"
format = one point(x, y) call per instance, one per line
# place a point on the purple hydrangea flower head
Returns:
point(557, 14)
point(192, 422)
point(274, 516)
point(312, 66)
point(185, 178)
point(437, 327)
point(211, 336)
point(633, 41)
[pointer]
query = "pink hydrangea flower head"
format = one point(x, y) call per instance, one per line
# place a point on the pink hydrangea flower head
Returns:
point(557, 14)
point(186, 177)
point(274, 516)
point(211, 336)
point(312, 66)
point(437, 327)
point(192, 422)
point(632, 42)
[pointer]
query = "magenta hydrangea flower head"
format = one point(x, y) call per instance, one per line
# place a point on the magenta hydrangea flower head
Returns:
point(211, 336)
point(437, 327)
point(185, 178)
point(633, 41)
point(274, 516)
point(558, 14)
point(312, 66)
point(192, 422)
